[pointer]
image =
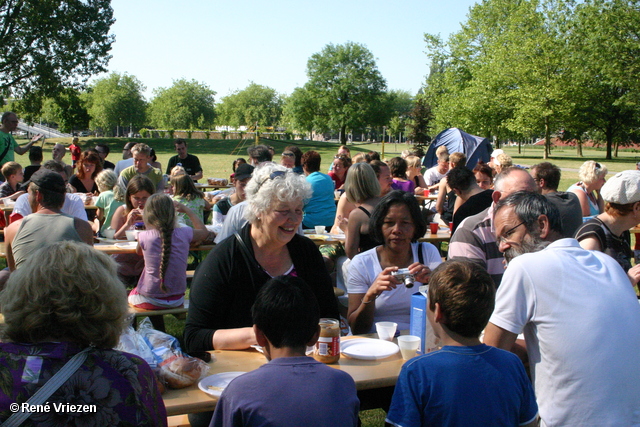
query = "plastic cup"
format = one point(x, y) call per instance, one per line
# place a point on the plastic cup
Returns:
point(425, 192)
point(451, 227)
point(130, 235)
point(109, 232)
point(386, 330)
point(337, 194)
point(409, 345)
point(433, 227)
point(320, 229)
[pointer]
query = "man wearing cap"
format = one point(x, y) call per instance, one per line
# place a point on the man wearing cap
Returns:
point(579, 316)
point(220, 209)
point(189, 162)
point(73, 205)
point(494, 156)
point(609, 231)
point(47, 224)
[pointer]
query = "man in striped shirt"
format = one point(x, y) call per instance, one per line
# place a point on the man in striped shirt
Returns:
point(474, 239)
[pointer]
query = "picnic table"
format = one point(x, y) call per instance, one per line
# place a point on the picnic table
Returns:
point(129, 247)
point(369, 375)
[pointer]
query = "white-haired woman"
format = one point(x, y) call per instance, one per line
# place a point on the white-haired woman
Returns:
point(591, 176)
point(228, 280)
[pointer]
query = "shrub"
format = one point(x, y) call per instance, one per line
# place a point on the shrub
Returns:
point(144, 132)
point(170, 133)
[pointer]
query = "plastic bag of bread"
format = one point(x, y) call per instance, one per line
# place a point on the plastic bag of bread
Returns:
point(218, 182)
point(162, 352)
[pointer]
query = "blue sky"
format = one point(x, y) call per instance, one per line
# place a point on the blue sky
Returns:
point(228, 44)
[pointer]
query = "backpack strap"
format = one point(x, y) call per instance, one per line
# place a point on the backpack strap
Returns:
point(50, 387)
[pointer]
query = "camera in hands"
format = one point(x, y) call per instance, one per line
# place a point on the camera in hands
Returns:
point(403, 275)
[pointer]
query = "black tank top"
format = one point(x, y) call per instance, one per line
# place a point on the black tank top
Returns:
point(366, 242)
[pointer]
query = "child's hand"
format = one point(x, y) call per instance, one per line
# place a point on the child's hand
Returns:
point(134, 216)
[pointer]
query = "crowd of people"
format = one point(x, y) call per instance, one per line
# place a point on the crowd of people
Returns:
point(535, 308)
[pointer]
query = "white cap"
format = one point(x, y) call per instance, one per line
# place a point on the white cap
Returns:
point(622, 188)
point(497, 152)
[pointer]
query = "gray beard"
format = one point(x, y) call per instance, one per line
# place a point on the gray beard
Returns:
point(530, 243)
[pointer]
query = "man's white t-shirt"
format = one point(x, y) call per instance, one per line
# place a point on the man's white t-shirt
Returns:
point(432, 176)
point(73, 205)
point(581, 321)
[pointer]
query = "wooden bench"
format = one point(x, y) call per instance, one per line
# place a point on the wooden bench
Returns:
point(178, 421)
point(156, 316)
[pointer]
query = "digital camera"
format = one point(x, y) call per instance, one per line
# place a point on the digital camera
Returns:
point(404, 276)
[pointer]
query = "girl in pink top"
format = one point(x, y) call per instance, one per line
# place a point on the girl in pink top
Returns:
point(165, 248)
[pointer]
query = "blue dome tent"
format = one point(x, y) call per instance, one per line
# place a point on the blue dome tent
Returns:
point(475, 148)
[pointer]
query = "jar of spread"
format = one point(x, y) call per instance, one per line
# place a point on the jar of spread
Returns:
point(328, 346)
point(139, 226)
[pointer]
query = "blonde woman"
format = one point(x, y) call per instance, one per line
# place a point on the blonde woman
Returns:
point(414, 166)
point(592, 179)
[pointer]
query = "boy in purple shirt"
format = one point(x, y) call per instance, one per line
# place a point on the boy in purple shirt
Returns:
point(292, 389)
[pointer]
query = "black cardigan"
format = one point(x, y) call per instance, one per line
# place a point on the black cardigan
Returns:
point(227, 282)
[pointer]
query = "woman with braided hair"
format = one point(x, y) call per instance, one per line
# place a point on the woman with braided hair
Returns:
point(165, 248)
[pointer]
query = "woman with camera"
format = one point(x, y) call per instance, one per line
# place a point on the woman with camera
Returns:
point(375, 293)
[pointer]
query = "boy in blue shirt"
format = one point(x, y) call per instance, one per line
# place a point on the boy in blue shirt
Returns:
point(466, 383)
point(292, 389)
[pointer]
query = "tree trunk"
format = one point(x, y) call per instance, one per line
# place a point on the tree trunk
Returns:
point(547, 139)
point(609, 144)
point(343, 135)
point(579, 147)
point(616, 144)
point(519, 146)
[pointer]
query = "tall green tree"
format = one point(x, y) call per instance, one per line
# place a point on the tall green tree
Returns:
point(347, 86)
point(254, 104)
point(504, 74)
point(300, 111)
point(419, 122)
point(184, 105)
point(116, 102)
point(67, 110)
point(49, 44)
point(604, 63)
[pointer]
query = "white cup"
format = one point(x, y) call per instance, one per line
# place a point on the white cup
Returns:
point(320, 229)
point(337, 194)
point(109, 232)
point(130, 234)
point(409, 345)
point(386, 330)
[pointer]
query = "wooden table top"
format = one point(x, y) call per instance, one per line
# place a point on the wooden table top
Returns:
point(112, 249)
point(367, 374)
point(444, 235)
